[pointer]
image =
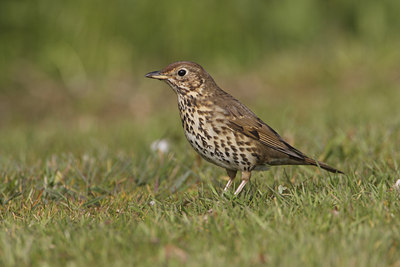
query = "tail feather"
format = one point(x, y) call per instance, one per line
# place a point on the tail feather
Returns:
point(322, 165)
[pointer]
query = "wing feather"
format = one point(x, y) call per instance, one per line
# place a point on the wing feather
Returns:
point(243, 120)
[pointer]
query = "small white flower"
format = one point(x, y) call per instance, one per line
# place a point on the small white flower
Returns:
point(161, 145)
point(281, 189)
point(397, 184)
point(152, 203)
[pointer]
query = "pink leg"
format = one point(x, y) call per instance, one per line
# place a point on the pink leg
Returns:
point(245, 178)
point(232, 175)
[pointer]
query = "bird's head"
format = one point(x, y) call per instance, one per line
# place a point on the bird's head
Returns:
point(185, 77)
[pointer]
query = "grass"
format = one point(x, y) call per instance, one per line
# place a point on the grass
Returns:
point(79, 189)
point(79, 184)
point(102, 208)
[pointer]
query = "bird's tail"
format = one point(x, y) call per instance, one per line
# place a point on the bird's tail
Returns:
point(322, 165)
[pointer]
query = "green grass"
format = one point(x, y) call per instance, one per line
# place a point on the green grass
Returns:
point(80, 189)
point(80, 186)
point(109, 205)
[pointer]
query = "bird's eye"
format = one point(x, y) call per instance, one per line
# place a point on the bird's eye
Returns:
point(182, 72)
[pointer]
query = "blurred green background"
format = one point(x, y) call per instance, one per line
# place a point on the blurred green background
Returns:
point(78, 117)
point(85, 60)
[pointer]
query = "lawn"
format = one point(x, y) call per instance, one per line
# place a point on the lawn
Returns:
point(87, 189)
point(80, 182)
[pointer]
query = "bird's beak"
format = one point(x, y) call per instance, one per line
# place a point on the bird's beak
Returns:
point(156, 75)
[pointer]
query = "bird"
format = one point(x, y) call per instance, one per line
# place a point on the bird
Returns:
point(223, 130)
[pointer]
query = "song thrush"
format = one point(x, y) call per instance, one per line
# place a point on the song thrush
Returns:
point(223, 130)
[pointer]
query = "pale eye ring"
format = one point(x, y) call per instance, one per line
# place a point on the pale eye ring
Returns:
point(182, 72)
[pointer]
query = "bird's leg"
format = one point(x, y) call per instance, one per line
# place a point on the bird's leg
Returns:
point(245, 178)
point(232, 175)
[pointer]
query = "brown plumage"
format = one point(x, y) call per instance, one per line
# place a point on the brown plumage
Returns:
point(223, 130)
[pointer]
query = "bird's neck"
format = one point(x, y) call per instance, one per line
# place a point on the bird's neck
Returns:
point(187, 101)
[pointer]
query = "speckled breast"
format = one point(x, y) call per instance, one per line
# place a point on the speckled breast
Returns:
point(207, 131)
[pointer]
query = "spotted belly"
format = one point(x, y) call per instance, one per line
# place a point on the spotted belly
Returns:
point(223, 147)
point(209, 151)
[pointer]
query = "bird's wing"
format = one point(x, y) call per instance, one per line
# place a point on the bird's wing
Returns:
point(243, 120)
